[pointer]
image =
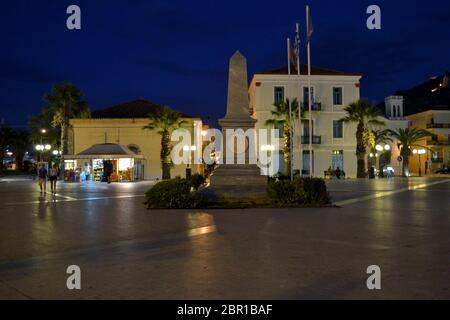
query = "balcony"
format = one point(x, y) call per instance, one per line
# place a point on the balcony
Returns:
point(438, 126)
point(315, 106)
point(315, 140)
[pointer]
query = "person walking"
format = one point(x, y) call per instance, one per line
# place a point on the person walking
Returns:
point(108, 170)
point(53, 176)
point(337, 172)
point(42, 174)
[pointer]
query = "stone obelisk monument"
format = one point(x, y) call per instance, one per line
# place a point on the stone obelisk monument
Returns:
point(238, 180)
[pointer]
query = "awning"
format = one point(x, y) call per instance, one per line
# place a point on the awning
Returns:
point(105, 151)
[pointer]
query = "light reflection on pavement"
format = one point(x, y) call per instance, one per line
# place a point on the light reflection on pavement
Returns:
point(126, 251)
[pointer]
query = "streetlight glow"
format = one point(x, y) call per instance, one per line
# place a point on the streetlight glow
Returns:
point(267, 147)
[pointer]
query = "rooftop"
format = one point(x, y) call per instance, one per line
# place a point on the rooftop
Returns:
point(314, 71)
point(139, 108)
point(107, 149)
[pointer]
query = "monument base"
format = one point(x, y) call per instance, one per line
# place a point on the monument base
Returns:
point(238, 181)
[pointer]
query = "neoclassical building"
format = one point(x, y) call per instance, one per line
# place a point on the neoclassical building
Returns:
point(333, 142)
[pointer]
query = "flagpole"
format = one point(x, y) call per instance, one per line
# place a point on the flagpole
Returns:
point(290, 108)
point(297, 29)
point(309, 98)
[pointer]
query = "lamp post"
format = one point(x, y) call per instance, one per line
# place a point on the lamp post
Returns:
point(41, 146)
point(189, 149)
point(419, 152)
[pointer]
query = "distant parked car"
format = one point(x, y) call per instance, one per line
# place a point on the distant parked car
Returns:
point(443, 171)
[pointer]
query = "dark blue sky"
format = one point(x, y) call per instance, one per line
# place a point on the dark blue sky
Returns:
point(176, 52)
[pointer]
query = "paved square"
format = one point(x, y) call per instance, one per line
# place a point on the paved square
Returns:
point(127, 252)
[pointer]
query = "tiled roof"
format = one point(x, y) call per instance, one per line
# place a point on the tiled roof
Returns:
point(314, 71)
point(130, 110)
point(107, 149)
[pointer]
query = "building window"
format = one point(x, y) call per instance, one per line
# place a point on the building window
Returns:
point(306, 128)
point(306, 162)
point(338, 131)
point(337, 96)
point(337, 160)
point(278, 95)
point(306, 96)
point(280, 130)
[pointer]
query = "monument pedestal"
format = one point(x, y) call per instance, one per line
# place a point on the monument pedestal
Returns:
point(238, 181)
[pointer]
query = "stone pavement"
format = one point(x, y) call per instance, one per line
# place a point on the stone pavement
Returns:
point(128, 252)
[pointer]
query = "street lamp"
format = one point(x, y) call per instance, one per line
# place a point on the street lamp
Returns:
point(266, 147)
point(189, 149)
point(41, 146)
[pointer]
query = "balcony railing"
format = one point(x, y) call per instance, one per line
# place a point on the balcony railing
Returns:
point(438, 126)
point(315, 139)
point(437, 160)
point(315, 106)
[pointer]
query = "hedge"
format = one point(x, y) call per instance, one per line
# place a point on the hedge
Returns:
point(297, 193)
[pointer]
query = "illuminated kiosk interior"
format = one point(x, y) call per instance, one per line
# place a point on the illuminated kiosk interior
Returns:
point(89, 164)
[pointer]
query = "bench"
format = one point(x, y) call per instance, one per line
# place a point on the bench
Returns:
point(332, 174)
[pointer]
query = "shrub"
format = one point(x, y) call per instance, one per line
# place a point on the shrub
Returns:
point(316, 191)
point(197, 180)
point(300, 192)
point(172, 194)
point(285, 193)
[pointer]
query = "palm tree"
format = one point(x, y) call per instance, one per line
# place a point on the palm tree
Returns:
point(408, 138)
point(64, 103)
point(364, 114)
point(165, 121)
point(44, 121)
point(20, 142)
point(281, 119)
point(379, 137)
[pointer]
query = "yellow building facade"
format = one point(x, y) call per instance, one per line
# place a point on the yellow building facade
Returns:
point(123, 126)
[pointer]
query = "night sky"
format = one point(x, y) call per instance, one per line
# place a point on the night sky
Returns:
point(176, 52)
